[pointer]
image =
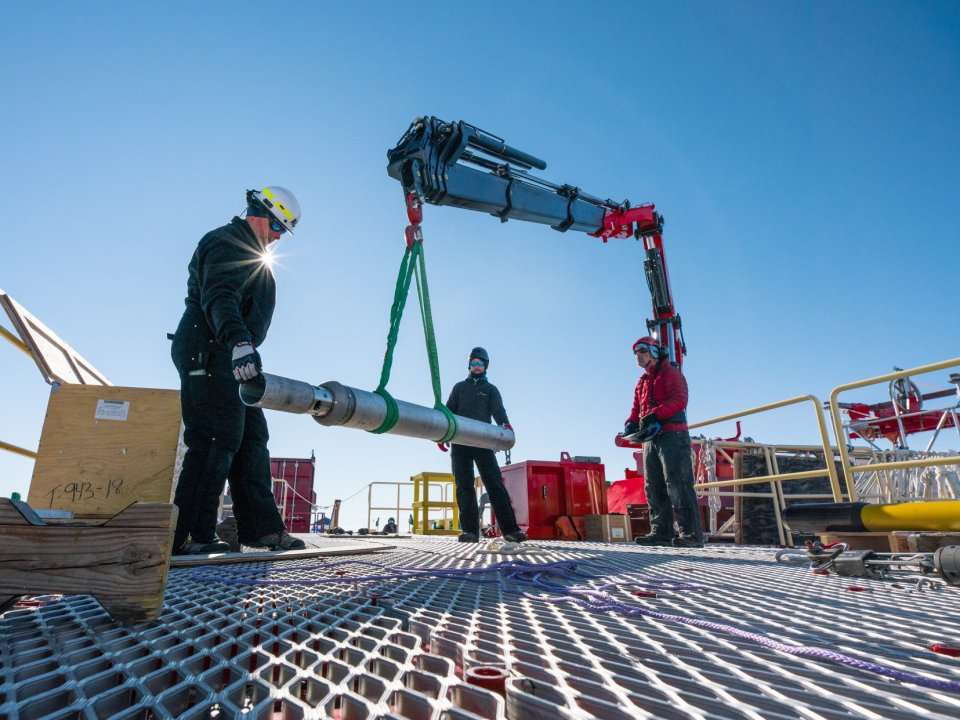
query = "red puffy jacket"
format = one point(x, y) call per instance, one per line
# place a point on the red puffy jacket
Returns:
point(664, 391)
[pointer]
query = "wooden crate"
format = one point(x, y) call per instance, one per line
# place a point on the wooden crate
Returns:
point(607, 528)
point(123, 562)
point(103, 448)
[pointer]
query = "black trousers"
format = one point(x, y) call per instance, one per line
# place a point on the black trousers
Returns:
point(225, 441)
point(462, 458)
point(668, 480)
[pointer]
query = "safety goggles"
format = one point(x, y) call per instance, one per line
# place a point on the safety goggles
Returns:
point(642, 349)
point(476, 363)
point(277, 226)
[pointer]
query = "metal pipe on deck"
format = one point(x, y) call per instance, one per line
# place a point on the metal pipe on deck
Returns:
point(334, 404)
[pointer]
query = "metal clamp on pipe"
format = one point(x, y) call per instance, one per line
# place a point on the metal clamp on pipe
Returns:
point(334, 404)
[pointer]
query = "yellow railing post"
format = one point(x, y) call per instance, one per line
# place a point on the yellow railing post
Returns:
point(849, 470)
point(17, 450)
point(15, 341)
point(830, 469)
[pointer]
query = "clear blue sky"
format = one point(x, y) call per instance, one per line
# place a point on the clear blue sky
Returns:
point(805, 157)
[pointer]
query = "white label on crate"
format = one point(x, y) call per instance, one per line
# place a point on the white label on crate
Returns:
point(112, 410)
point(617, 533)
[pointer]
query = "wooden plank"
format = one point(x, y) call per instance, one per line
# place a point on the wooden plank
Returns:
point(103, 448)
point(928, 542)
point(56, 360)
point(267, 556)
point(123, 563)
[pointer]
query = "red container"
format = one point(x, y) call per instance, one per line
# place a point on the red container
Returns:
point(295, 496)
point(541, 491)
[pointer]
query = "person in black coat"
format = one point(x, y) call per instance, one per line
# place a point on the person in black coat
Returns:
point(479, 399)
point(230, 300)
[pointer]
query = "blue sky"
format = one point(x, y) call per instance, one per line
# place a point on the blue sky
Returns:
point(805, 157)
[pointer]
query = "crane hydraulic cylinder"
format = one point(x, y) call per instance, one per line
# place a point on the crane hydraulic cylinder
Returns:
point(930, 516)
point(334, 404)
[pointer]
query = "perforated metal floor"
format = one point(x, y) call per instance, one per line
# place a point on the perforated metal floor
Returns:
point(240, 641)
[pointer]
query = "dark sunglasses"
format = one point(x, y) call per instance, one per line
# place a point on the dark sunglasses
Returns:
point(277, 226)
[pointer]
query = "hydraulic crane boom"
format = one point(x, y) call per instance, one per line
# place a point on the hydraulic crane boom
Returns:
point(457, 164)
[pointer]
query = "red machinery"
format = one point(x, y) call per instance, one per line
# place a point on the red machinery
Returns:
point(293, 490)
point(904, 414)
point(543, 491)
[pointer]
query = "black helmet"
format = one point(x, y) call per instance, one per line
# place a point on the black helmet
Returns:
point(480, 354)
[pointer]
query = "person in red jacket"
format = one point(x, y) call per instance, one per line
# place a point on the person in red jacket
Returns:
point(659, 419)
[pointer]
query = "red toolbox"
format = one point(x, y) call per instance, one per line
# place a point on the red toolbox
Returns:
point(542, 490)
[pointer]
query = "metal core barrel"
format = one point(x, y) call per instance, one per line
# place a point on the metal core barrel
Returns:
point(334, 404)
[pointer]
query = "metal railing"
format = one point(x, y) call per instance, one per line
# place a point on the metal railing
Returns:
point(830, 470)
point(849, 469)
point(371, 507)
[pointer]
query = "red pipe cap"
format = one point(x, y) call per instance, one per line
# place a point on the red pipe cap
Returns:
point(489, 677)
point(945, 649)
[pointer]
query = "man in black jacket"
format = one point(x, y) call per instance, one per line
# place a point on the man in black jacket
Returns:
point(230, 300)
point(479, 399)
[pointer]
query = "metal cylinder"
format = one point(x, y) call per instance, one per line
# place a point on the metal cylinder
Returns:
point(924, 516)
point(280, 393)
point(334, 404)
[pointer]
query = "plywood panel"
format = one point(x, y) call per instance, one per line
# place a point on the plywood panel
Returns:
point(103, 448)
point(57, 361)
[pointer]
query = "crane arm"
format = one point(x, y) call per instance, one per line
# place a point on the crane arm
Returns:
point(460, 165)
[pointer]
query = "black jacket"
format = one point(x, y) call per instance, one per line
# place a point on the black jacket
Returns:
point(479, 399)
point(230, 287)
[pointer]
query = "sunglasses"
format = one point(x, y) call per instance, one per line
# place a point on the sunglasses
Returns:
point(476, 363)
point(277, 226)
point(642, 350)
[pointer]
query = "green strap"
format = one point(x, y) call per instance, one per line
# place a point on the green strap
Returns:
point(412, 266)
point(407, 267)
point(423, 295)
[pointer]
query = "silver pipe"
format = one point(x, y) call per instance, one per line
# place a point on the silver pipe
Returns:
point(291, 395)
point(333, 404)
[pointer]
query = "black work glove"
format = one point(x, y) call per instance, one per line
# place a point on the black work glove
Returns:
point(246, 362)
point(649, 426)
point(630, 428)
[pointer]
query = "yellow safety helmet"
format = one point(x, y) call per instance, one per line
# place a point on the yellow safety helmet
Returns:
point(280, 202)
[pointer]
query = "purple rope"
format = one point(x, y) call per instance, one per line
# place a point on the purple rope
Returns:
point(610, 604)
point(595, 599)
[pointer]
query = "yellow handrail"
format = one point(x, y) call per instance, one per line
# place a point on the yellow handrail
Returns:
point(831, 469)
point(850, 470)
point(17, 450)
point(14, 340)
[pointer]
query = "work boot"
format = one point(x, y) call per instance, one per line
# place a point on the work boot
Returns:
point(688, 541)
point(654, 540)
point(227, 531)
point(280, 541)
point(203, 548)
point(468, 537)
point(516, 537)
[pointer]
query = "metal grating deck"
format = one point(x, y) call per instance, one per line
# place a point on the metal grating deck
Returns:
point(398, 648)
